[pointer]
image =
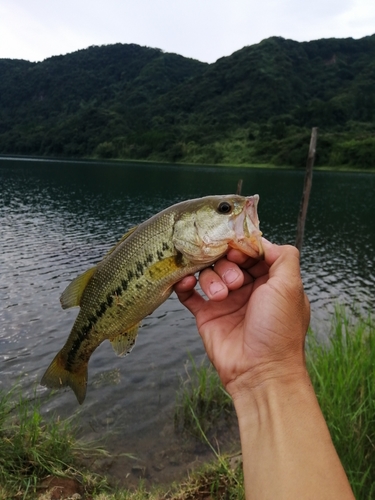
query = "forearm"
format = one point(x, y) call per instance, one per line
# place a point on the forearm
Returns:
point(287, 448)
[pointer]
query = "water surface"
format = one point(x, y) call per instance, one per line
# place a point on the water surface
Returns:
point(59, 218)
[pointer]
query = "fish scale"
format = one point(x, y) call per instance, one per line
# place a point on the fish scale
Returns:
point(138, 275)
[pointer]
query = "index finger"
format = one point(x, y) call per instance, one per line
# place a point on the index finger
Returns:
point(271, 252)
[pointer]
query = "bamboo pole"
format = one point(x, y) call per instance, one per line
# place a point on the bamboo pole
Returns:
point(306, 189)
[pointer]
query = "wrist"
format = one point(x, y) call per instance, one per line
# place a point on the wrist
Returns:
point(257, 393)
point(265, 375)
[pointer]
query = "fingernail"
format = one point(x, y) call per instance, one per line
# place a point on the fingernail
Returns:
point(215, 287)
point(230, 276)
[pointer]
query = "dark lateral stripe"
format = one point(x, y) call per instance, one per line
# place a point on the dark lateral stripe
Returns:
point(149, 259)
point(101, 310)
point(139, 267)
point(92, 320)
point(160, 254)
point(81, 336)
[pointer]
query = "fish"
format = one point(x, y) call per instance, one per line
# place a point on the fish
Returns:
point(137, 276)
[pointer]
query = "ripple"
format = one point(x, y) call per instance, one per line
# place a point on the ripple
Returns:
point(57, 222)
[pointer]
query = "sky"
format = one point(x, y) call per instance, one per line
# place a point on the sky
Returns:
point(201, 29)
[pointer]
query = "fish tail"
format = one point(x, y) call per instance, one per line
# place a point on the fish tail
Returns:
point(57, 376)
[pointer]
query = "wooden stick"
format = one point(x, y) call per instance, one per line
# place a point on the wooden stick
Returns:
point(306, 189)
point(239, 186)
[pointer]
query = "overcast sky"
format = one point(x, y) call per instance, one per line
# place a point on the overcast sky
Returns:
point(202, 29)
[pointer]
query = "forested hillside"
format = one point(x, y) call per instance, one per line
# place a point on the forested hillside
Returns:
point(256, 106)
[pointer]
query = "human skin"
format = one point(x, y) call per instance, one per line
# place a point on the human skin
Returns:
point(253, 325)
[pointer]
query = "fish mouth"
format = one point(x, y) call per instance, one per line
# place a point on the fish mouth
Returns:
point(248, 237)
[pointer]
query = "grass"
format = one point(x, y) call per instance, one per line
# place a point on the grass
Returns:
point(201, 401)
point(31, 449)
point(220, 480)
point(343, 375)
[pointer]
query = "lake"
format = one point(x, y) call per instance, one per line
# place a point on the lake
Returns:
point(57, 218)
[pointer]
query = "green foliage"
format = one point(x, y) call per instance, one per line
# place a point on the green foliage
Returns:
point(342, 372)
point(343, 376)
point(344, 380)
point(359, 152)
point(221, 480)
point(127, 101)
point(201, 401)
point(32, 448)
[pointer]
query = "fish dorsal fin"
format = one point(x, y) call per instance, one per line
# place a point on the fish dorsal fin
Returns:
point(124, 343)
point(72, 294)
point(126, 235)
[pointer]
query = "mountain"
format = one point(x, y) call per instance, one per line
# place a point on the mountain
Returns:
point(257, 105)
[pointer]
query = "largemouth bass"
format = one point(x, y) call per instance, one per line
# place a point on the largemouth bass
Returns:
point(138, 274)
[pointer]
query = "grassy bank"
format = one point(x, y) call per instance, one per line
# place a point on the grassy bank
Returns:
point(202, 403)
point(33, 449)
point(260, 144)
point(342, 373)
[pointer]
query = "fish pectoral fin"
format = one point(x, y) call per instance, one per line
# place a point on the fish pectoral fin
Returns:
point(124, 343)
point(72, 294)
point(164, 268)
point(57, 376)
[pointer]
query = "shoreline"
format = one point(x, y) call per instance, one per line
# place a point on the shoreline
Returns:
point(116, 161)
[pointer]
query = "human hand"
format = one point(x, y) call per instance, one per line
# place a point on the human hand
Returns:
point(253, 326)
point(254, 322)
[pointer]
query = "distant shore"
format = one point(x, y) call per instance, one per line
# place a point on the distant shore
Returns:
point(116, 161)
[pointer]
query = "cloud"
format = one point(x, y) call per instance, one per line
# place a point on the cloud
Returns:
point(203, 29)
point(27, 35)
point(359, 19)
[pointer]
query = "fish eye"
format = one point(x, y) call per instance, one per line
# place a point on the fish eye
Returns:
point(224, 208)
